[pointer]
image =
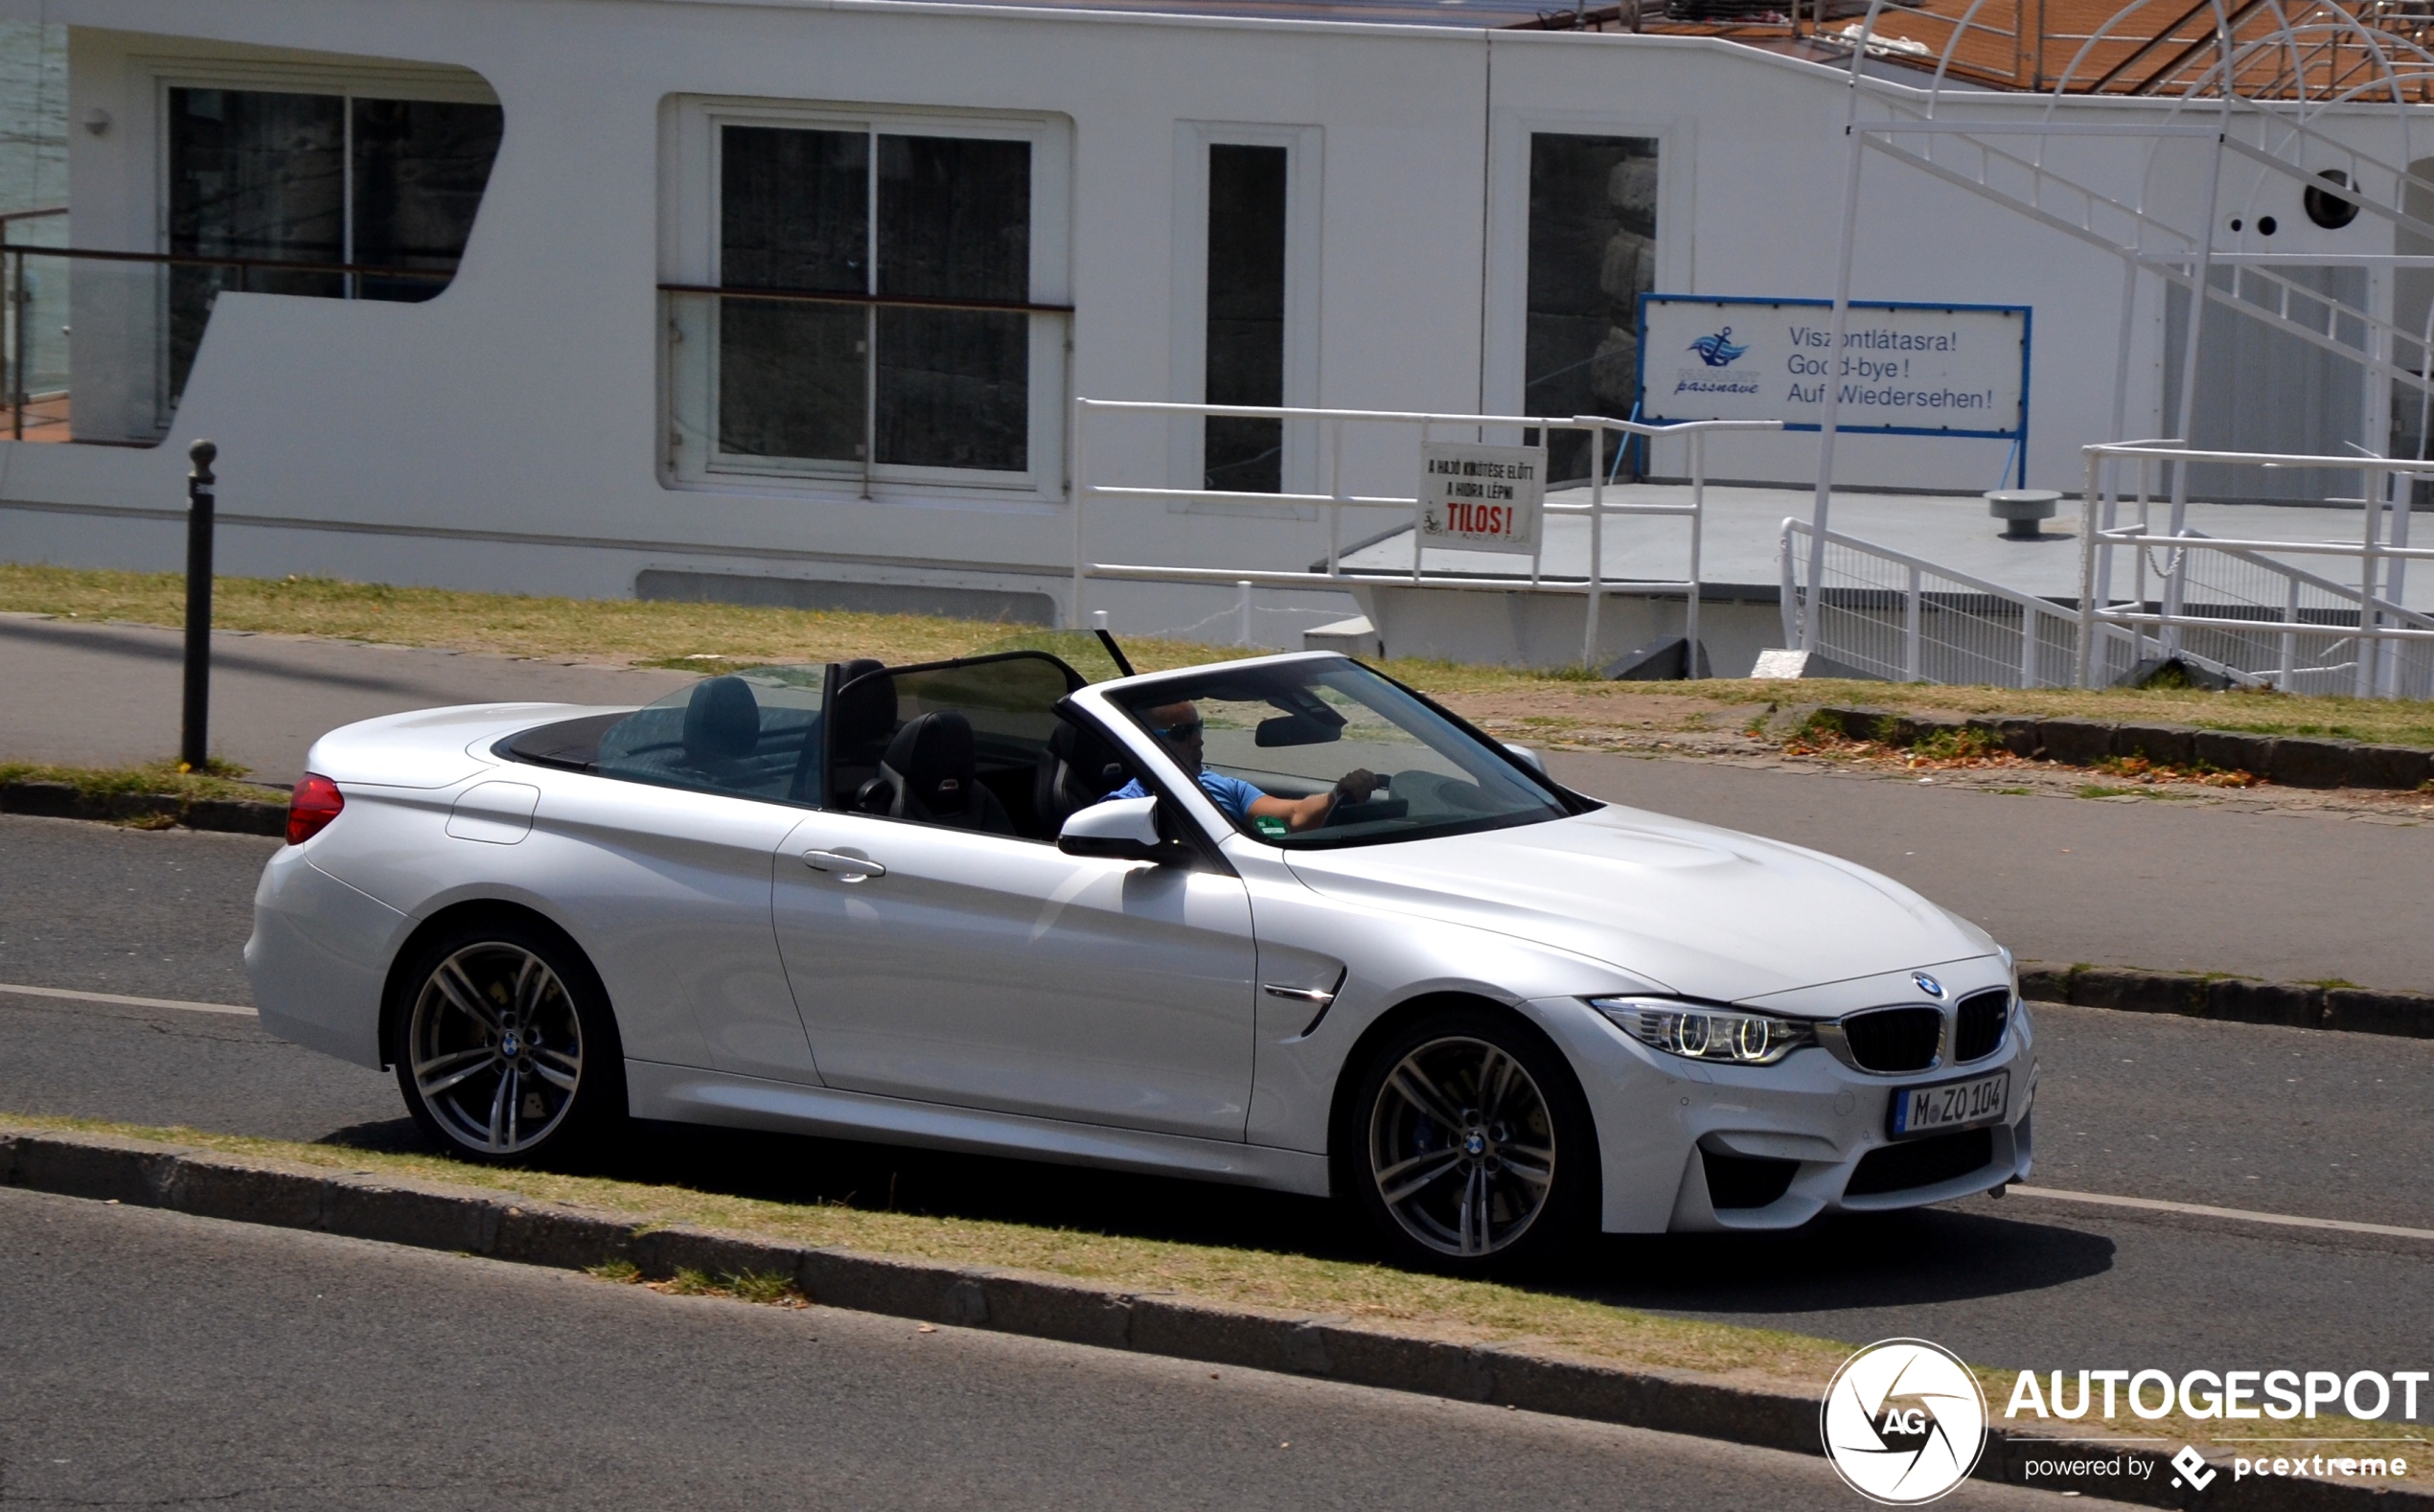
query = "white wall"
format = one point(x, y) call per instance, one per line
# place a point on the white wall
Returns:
point(514, 424)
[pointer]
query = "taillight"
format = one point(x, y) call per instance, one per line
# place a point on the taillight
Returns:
point(315, 802)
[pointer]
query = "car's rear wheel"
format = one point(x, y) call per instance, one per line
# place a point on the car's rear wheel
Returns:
point(504, 1047)
point(1470, 1145)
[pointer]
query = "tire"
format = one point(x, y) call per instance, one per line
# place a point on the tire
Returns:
point(504, 1045)
point(1468, 1144)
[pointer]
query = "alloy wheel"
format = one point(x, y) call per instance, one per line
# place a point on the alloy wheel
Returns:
point(496, 1047)
point(1462, 1147)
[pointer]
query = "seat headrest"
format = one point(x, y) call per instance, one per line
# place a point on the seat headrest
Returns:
point(1084, 753)
point(721, 722)
point(865, 714)
point(932, 756)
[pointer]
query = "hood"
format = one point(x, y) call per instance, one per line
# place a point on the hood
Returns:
point(1704, 912)
point(429, 748)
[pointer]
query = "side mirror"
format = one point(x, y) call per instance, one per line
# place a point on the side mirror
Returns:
point(1528, 758)
point(1117, 829)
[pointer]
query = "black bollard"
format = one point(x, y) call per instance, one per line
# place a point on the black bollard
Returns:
point(193, 745)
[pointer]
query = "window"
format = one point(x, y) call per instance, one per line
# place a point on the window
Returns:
point(868, 302)
point(1246, 352)
point(1592, 252)
point(753, 734)
point(264, 176)
point(1293, 730)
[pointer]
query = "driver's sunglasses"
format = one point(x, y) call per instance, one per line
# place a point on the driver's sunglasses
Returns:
point(1189, 731)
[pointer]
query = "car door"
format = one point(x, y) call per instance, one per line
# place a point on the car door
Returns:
point(993, 970)
point(661, 841)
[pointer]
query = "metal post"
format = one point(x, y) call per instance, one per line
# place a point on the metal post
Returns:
point(2205, 272)
point(2289, 637)
point(193, 745)
point(1596, 542)
point(1698, 524)
point(1079, 488)
point(1788, 592)
point(1335, 492)
point(17, 346)
point(2085, 662)
point(1242, 612)
point(1827, 423)
point(1910, 627)
point(2370, 555)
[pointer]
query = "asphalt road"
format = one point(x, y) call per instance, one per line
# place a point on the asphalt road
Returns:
point(2285, 1121)
point(148, 1357)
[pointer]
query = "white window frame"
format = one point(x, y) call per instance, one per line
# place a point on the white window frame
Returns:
point(689, 255)
point(1503, 353)
point(1188, 344)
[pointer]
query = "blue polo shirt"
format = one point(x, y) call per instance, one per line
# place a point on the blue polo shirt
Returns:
point(1232, 796)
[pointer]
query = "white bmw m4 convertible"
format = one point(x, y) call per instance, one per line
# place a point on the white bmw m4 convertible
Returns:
point(1281, 922)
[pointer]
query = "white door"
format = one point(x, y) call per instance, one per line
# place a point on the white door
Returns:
point(983, 970)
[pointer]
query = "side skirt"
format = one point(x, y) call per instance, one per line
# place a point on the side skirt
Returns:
point(689, 1094)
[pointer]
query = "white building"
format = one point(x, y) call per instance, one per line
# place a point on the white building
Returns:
point(1016, 206)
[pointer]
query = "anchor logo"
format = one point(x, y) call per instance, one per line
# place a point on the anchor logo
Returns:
point(1717, 351)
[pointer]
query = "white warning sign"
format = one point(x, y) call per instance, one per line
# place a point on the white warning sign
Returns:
point(1481, 498)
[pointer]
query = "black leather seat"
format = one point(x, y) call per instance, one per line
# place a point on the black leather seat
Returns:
point(722, 722)
point(1076, 768)
point(929, 774)
point(864, 719)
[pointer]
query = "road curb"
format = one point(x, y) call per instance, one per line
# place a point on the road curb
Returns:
point(2232, 999)
point(209, 1184)
point(2288, 760)
point(62, 800)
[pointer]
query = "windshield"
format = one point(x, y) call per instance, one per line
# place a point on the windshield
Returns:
point(1396, 768)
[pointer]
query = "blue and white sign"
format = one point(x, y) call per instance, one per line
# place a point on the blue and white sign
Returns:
point(1907, 369)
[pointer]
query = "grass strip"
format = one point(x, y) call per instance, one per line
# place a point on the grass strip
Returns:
point(1568, 706)
point(1373, 1295)
point(101, 784)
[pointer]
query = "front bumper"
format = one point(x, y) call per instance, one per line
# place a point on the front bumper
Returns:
point(1687, 1146)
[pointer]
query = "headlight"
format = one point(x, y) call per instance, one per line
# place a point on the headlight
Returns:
point(1706, 1034)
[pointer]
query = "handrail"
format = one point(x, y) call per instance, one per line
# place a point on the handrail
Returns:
point(1337, 500)
point(823, 296)
point(243, 263)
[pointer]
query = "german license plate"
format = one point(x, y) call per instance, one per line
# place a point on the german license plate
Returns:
point(1948, 1105)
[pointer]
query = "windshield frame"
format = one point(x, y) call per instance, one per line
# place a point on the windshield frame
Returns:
point(1131, 699)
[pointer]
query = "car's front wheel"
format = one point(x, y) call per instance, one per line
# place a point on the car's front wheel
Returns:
point(504, 1045)
point(1469, 1143)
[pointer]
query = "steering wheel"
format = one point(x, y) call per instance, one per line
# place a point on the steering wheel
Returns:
point(1336, 810)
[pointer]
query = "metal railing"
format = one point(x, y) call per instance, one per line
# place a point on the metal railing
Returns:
point(1594, 584)
point(238, 274)
point(2233, 603)
point(1889, 614)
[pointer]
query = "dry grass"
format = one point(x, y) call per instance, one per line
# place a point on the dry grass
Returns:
point(1377, 1295)
point(1566, 706)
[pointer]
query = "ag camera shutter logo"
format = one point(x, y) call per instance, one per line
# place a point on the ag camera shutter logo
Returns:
point(1904, 1422)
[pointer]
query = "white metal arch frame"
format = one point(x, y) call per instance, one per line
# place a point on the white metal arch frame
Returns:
point(2255, 87)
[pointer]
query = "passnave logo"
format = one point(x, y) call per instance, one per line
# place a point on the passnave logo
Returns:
point(1903, 1421)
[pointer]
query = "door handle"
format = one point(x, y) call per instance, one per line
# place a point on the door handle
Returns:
point(849, 868)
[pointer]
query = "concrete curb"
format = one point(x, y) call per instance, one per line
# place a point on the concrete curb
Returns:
point(60, 800)
point(2232, 999)
point(2290, 760)
point(208, 1184)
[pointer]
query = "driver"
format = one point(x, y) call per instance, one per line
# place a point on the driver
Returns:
point(1177, 727)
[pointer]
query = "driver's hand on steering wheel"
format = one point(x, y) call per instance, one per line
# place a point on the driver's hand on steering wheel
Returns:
point(1356, 786)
